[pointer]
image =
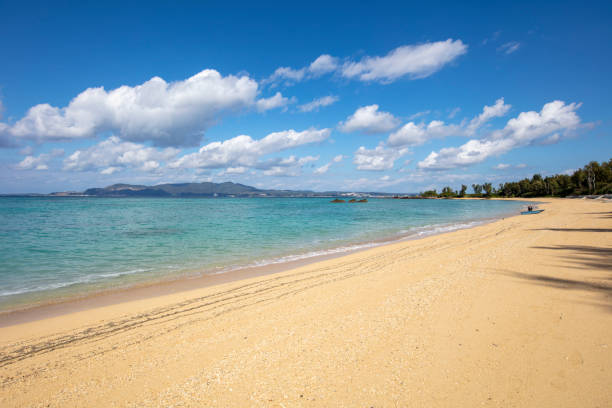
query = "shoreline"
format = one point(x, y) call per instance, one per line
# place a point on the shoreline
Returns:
point(106, 297)
point(516, 312)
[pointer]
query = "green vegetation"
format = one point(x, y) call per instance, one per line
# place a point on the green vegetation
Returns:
point(429, 193)
point(592, 179)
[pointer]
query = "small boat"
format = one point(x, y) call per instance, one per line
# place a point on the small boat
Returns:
point(531, 212)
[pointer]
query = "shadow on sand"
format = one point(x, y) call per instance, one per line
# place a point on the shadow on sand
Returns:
point(574, 229)
point(584, 258)
point(605, 214)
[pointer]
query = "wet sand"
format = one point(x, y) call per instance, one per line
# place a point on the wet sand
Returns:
point(513, 313)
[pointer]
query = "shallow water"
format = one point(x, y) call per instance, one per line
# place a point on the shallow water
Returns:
point(60, 247)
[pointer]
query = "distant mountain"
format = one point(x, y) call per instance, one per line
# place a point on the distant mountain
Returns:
point(205, 189)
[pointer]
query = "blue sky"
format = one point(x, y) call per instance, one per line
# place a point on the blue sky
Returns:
point(393, 97)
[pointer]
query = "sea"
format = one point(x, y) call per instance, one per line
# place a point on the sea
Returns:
point(55, 248)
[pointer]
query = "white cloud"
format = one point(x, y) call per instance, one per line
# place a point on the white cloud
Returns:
point(504, 166)
point(287, 73)
point(317, 103)
point(472, 152)
point(413, 134)
point(110, 170)
point(509, 47)
point(526, 128)
point(419, 114)
point(167, 114)
point(289, 167)
point(489, 112)
point(235, 170)
point(554, 116)
point(112, 155)
point(416, 61)
point(243, 151)
point(273, 102)
point(323, 64)
point(39, 163)
point(378, 159)
point(369, 120)
point(454, 112)
point(552, 139)
point(324, 169)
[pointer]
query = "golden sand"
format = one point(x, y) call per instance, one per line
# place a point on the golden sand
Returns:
point(516, 313)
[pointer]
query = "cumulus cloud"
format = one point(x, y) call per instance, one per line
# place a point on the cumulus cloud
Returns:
point(273, 102)
point(41, 162)
point(416, 61)
point(489, 112)
point(416, 134)
point(323, 64)
point(167, 114)
point(244, 151)
point(325, 168)
point(509, 47)
point(234, 170)
point(317, 103)
point(413, 134)
point(526, 128)
point(378, 159)
point(289, 167)
point(113, 154)
point(287, 73)
point(369, 120)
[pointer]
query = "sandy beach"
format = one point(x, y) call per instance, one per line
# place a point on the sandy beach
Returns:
point(515, 313)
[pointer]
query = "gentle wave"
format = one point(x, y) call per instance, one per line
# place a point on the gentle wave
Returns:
point(404, 234)
point(51, 249)
point(417, 232)
point(83, 280)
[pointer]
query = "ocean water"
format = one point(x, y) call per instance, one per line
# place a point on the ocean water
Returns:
point(60, 247)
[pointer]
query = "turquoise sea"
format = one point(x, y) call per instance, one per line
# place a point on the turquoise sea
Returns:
point(60, 247)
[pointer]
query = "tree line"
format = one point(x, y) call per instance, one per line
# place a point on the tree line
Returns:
point(592, 179)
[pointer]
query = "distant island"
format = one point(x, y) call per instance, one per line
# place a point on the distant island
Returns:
point(204, 189)
point(593, 179)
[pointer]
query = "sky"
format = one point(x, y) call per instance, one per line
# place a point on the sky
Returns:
point(391, 97)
